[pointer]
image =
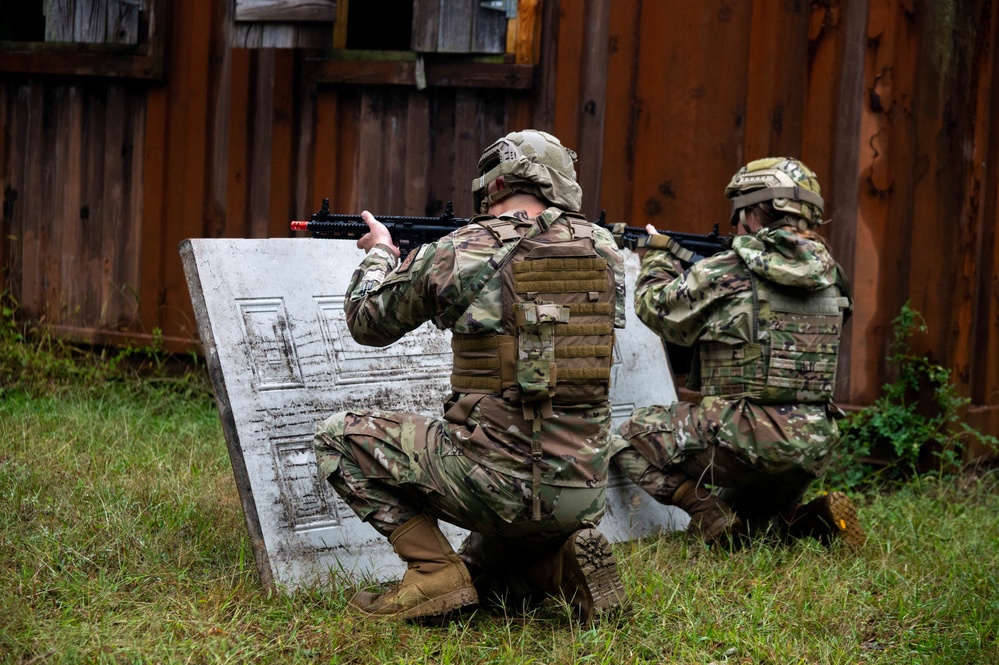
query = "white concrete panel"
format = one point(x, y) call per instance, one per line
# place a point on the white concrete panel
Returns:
point(271, 320)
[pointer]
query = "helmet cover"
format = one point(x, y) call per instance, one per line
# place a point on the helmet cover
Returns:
point(787, 183)
point(530, 161)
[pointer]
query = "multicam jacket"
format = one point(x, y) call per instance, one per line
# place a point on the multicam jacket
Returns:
point(385, 301)
point(716, 304)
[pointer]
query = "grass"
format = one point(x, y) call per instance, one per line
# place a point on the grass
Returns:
point(122, 540)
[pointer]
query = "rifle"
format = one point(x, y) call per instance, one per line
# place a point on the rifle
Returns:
point(634, 237)
point(408, 233)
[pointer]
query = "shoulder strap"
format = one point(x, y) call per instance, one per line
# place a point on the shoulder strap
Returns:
point(479, 280)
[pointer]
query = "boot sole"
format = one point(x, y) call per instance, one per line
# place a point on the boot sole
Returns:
point(841, 515)
point(598, 568)
point(363, 601)
point(441, 605)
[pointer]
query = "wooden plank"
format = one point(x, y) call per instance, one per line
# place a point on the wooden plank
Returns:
point(348, 154)
point(456, 25)
point(325, 150)
point(134, 212)
point(544, 89)
point(566, 72)
point(286, 10)
point(441, 187)
point(122, 190)
point(123, 22)
point(48, 166)
point(445, 73)
point(439, 73)
point(304, 141)
point(426, 25)
point(154, 199)
point(261, 143)
point(240, 138)
point(220, 95)
point(85, 211)
point(469, 142)
point(488, 34)
point(417, 151)
point(371, 156)
point(281, 35)
point(341, 25)
point(622, 109)
point(90, 24)
point(593, 97)
point(7, 195)
point(25, 122)
point(60, 20)
point(985, 358)
point(282, 178)
point(76, 60)
point(523, 35)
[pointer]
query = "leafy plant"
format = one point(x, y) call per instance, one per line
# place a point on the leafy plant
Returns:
point(916, 416)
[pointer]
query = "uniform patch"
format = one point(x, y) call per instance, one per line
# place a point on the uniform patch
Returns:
point(411, 259)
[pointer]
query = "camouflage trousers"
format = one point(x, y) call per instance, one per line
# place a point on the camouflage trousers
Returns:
point(762, 458)
point(391, 466)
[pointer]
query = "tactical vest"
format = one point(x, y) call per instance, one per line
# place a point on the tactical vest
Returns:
point(795, 357)
point(557, 337)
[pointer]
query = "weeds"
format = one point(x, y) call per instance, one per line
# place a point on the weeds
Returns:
point(916, 418)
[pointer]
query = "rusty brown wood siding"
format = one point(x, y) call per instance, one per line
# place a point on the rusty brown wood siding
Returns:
point(925, 136)
point(73, 163)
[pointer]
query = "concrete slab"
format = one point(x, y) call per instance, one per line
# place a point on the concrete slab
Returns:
point(270, 317)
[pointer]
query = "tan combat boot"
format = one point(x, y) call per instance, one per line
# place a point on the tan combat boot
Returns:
point(584, 572)
point(435, 583)
point(830, 517)
point(711, 519)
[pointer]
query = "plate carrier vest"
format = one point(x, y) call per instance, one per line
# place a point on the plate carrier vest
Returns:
point(794, 360)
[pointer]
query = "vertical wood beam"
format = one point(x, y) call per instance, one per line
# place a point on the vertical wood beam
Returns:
point(593, 104)
point(545, 82)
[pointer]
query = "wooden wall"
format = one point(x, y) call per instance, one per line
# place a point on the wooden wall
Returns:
point(891, 102)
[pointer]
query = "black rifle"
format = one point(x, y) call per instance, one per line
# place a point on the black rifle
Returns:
point(408, 233)
point(634, 237)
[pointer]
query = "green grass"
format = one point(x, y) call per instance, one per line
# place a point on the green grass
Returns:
point(122, 540)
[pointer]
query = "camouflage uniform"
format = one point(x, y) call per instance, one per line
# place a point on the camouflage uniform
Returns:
point(473, 467)
point(765, 452)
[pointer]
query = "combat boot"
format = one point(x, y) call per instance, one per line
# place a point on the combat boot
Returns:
point(436, 581)
point(583, 572)
point(828, 518)
point(711, 519)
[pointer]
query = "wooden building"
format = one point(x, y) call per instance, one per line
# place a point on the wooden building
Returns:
point(129, 125)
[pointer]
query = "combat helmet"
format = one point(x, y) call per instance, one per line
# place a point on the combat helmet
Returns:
point(788, 184)
point(533, 162)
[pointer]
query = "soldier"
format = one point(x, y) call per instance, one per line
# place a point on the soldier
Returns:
point(532, 293)
point(765, 320)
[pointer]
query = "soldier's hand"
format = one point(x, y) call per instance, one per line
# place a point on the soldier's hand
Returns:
point(377, 235)
point(652, 231)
